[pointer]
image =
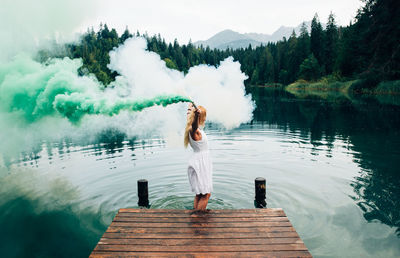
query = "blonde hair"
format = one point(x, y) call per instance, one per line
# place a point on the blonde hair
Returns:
point(189, 123)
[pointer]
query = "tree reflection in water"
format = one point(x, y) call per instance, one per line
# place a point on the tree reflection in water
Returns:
point(371, 128)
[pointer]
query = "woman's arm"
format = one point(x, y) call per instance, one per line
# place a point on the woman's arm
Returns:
point(195, 133)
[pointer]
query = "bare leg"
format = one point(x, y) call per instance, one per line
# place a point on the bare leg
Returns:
point(203, 201)
point(206, 201)
point(196, 201)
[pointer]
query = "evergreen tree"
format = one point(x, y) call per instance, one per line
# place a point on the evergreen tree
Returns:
point(310, 69)
point(331, 44)
point(125, 35)
point(317, 39)
point(293, 57)
point(377, 26)
point(368, 49)
point(283, 76)
point(303, 46)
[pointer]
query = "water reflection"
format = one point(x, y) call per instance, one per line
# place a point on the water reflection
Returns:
point(107, 143)
point(367, 128)
point(328, 162)
point(370, 129)
point(377, 187)
point(45, 219)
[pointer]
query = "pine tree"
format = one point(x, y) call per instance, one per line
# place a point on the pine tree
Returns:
point(317, 39)
point(310, 69)
point(293, 57)
point(303, 45)
point(331, 44)
point(125, 35)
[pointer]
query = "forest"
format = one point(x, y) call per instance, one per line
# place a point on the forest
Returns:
point(366, 51)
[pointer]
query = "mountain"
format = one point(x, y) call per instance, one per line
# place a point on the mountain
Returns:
point(233, 39)
point(241, 43)
point(223, 38)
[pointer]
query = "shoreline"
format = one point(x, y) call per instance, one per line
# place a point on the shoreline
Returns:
point(386, 92)
point(391, 88)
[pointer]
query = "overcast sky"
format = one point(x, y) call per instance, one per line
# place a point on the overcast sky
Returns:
point(26, 24)
point(199, 20)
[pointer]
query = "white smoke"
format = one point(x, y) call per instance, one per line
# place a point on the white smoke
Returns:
point(143, 75)
point(220, 90)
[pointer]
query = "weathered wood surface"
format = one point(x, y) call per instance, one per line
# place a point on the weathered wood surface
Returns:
point(216, 233)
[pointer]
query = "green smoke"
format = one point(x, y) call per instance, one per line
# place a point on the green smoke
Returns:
point(33, 90)
point(74, 106)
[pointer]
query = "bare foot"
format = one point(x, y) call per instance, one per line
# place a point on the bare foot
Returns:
point(193, 212)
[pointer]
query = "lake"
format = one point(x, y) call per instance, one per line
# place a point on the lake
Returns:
point(331, 162)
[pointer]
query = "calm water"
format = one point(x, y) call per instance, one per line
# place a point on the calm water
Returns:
point(333, 165)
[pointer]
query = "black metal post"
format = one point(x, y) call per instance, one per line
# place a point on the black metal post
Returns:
point(143, 192)
point(260, 187)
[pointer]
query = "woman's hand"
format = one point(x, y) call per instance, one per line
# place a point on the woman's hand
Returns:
point(190, 108)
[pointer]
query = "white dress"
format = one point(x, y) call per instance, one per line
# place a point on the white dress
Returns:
point(200, 166)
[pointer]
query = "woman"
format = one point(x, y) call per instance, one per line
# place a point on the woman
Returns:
point(200, 166)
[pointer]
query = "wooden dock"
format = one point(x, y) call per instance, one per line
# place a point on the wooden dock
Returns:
point(216, 233)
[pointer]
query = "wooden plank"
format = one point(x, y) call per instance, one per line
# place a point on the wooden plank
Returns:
point(202, 248)
point(198, 219)
point(171, 211)
point(98, 254)
point(215, 233)
point(202, 235)
point(201, 224)
point(201, 215)
point(206, 241)
point(197, 230)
